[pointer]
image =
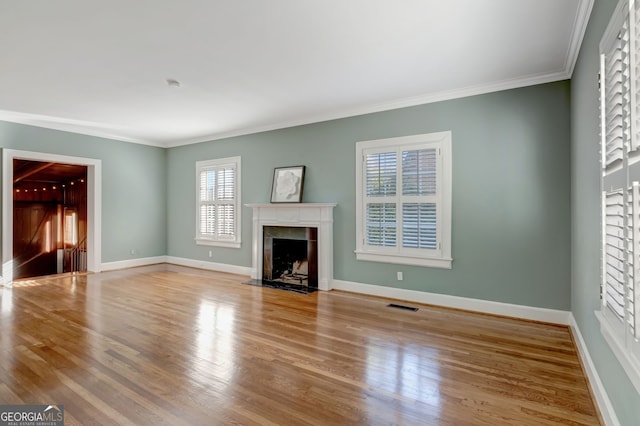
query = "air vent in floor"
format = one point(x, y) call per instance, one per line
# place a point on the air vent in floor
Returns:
point(406, 308)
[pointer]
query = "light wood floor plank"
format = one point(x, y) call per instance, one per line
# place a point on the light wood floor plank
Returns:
point(172, 345)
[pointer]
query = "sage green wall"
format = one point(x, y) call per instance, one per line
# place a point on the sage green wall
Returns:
point(585, 217)
point(511, 192)
point(133, 186)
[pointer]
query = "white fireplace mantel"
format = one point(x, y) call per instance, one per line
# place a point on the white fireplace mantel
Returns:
point(312, 215)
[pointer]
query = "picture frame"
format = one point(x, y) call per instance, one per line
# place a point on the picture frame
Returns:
point(288, 184)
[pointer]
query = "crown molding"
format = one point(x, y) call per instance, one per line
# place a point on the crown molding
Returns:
point(426, 98)
point(70, 125)
point(577, 34)
point(75, 126)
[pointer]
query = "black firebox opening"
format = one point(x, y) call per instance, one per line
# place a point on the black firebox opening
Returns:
point(290, 258)
point(290, 261)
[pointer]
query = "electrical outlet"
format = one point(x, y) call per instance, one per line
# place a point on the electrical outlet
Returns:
point(399, 276)
point(132, 251)
point(210, 253)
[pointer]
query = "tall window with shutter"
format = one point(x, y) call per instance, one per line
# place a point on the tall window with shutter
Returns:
point(218, 202)
point(403, 204)
point(619, 314)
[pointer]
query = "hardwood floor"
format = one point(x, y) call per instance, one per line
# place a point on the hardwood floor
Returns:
point(171, 345)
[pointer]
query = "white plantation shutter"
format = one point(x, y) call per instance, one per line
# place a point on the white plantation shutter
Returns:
point(404, 200)
point(207, 208)
point(615, 94)
point(381, 174)
point(419, 170)
point(218, 200)
point(381, 224)
point(631, 35)
point(622, 254)
point(419, 225)
point(419, 185)
point(633, 258)
point(226, 194)
point(415, 195)
point(380, 186)
point(614, 253)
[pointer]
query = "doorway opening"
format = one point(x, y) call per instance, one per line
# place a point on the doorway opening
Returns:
point(49, 218)
point(88, 257)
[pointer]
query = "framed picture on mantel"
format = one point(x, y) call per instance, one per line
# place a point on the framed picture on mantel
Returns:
point(288, 183)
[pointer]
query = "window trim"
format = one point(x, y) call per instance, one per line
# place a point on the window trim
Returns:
point(617, 343)
point(211, 241)
point(440, 258)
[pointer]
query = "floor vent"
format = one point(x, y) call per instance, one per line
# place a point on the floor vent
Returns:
point(406, 308)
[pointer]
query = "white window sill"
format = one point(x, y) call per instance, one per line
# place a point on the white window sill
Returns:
point(218, 243)
point(404, 259)
point(630, 364)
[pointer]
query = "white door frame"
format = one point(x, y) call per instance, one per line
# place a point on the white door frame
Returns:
point(94, 206)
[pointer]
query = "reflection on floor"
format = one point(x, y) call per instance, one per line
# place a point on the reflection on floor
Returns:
point(282, 285)
point(178, 346)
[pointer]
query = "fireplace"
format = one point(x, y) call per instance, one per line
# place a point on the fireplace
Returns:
point(290, 258)
point(292, 245)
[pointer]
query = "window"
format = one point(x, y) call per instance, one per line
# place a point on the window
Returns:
point(403, 200)
point(70, 226)
point(619, 314)
point(218, 202)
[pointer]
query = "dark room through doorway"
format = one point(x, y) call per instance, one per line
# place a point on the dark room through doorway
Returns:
point(49, 218)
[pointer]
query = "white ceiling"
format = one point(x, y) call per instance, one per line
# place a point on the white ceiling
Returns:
point(101, 67)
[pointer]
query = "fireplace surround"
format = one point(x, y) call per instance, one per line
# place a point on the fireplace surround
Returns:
point(295, 215)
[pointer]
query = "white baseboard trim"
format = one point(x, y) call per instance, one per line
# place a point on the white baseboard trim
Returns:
point(200, 264)
point(484, 306)
point(132, 263)
point(599, 392)
point(211, 266)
